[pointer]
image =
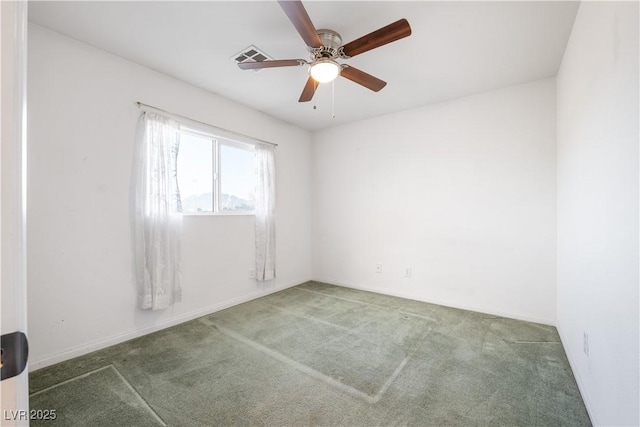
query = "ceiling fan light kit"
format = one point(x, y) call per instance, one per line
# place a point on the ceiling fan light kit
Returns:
point(324, 70)
point(325, 47)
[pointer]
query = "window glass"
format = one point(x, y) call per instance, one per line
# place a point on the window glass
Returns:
point(215, 176)
point(195, 173)
point(237, 178)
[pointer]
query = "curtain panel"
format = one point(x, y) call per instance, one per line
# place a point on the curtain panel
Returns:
point(265, 213)
point(158, 220)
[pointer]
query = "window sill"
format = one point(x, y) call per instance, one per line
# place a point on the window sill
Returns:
point(219, 214)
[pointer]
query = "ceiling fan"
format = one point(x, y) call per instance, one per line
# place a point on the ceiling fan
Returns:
point(325, 47)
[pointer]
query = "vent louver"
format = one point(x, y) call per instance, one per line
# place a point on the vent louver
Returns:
point(250, 54)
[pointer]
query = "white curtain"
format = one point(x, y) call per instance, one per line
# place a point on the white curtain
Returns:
point(158, 220)
point(265, 213)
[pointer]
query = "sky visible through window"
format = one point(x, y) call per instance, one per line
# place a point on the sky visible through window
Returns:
point(237, 171)
point(195, 173)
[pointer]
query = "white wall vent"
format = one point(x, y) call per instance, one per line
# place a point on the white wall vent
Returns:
point(250, 54)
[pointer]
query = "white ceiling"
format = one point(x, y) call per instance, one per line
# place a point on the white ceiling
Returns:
point(456, 48)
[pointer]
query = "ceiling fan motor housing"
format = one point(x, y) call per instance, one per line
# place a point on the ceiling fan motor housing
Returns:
point(331, 42)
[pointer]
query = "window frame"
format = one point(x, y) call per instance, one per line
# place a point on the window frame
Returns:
point(216, 143)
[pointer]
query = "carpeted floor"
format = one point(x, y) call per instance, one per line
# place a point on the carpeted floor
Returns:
point(318, 354)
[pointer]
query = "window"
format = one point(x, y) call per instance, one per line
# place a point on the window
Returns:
point(215, 175)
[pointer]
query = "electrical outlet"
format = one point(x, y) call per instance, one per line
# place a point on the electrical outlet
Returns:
point(585, 344)
point(252, 274)
point(378, 268)
point(407, 272)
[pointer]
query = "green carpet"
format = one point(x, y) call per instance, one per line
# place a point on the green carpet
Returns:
point(318, 354)
point(100, 397)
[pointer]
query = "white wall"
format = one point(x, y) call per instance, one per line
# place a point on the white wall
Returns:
point(463, 192)
point(82, 122)
point(598, 215)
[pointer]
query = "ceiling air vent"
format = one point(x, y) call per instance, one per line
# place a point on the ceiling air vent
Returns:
point(250, 54)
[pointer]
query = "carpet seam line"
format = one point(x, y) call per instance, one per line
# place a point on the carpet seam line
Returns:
point(77, 377)
point(370, 304)
point(134, 391)
point(298, 366)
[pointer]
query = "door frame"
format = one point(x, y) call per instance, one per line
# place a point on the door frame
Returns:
point(13, 193)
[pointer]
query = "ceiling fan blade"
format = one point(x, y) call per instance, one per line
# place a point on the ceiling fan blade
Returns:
point(362, 78)
point(308, 91)
point(271, 64)
point(392, 32)
point(300, 19)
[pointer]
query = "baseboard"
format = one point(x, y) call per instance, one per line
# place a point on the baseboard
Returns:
point(185, 317)
point(496, 312)
point(579, 381)
point(136, 333)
